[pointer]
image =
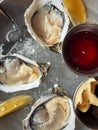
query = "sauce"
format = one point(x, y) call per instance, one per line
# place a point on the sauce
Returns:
point(81, 51)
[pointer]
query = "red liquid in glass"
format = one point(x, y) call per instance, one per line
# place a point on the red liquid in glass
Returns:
point(81, 51)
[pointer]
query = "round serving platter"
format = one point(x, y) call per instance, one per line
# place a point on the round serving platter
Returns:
point(59, 73)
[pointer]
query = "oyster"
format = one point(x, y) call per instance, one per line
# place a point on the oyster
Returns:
point(1, 1)
point(53, 112)
point(47, 22)
point(86, 95)
point(20, 73)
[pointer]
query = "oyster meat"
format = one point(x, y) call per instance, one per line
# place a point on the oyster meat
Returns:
point(86, 95)
point(20, 73)
point(47, 21)
point(53, 112)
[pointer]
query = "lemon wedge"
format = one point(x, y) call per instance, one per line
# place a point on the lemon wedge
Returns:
point(14, 104)
point(76, 11)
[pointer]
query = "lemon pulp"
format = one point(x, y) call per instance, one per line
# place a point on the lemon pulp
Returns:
point(13, 104)
point(76, 11)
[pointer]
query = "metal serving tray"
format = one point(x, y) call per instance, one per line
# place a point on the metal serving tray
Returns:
point(58, 73)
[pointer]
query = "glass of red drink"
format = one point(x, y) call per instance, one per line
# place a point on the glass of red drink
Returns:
point(80, 48)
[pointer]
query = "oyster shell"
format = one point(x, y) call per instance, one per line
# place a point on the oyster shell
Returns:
point(85, 95)
point(54, 112)
point(47, 22)
point(20, 73)
point(1, 1)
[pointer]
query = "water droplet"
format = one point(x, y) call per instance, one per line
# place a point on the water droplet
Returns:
point(15, 106)
point(2, 109)
point(13, 35)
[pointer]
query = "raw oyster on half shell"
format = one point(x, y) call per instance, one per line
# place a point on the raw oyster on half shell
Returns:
point(20, 73)
point(86, 95)
point(47, 22)
point(53, 112)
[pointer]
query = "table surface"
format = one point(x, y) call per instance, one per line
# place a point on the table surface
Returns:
point(58, 73)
